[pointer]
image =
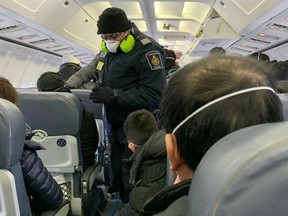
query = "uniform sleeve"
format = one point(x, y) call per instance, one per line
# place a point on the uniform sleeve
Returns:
point(152, 80)
point(83, 76)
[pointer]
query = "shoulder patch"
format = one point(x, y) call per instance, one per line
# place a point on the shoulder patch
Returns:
point(154, 60)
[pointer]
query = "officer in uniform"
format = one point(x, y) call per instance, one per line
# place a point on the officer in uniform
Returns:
point(132, 77)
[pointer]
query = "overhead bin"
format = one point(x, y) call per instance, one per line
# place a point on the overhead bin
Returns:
point(218, 28)
point(250, 13)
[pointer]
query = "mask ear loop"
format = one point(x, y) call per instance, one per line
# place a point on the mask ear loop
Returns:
point(220, 99)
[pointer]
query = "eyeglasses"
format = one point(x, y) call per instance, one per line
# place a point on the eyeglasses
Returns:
point(112, 36)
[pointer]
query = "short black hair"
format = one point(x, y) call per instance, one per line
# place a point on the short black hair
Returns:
point(260, 57)
point(139, 126)
point(205, 80)
point(50, 81)
point(217, 51)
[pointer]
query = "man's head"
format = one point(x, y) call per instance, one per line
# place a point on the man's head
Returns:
point(217, 51)
point(260, 57)
point(138, 127)
point(170, 58)
point(204, 81)
point(50, 81)
point(114, 29)
point(7, 91)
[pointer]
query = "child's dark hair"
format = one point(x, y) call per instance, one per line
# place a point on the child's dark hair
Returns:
point(139, 126)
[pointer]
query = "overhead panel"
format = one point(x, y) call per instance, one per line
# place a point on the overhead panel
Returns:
point(80, 25)
point(141, 24)
point(190, 26)
point(171, 10)
point(196, 11)
point(32, 5)
point(132, 9)
point(249, 13)
point(94, 9)
point(93, 40)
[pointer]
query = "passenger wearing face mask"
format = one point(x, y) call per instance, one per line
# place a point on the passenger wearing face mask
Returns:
point(132, 78)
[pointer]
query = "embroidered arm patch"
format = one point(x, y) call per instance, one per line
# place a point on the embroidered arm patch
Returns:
point(154, 60)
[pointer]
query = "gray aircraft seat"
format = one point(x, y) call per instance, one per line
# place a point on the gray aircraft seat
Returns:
point(245, 173)
point(95, 108)
point(284, 100)
point(56, 117)
point(103, 151)
point(98, 111)
point(13, 196)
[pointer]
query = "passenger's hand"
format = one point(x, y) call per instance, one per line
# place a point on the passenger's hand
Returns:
point(104, 95)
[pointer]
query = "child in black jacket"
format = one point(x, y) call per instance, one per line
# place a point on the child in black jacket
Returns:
point(146, 168)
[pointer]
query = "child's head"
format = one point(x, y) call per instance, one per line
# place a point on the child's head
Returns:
point(138, 127)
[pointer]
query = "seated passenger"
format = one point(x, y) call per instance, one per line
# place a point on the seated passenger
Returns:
point(43, 191)
point(203, 102)
point(70, 65)
point(87, 73)
point(146, 167)
point(217, 51)
point(171, 65)
point(51, 81)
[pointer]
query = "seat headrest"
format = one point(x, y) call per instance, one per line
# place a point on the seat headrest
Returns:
point(95, 108)
point(12, 134)
point(245, 173)
point(57, 113)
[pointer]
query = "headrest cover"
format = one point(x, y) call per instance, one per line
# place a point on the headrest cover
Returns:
point(245, 173)
point(12, 133)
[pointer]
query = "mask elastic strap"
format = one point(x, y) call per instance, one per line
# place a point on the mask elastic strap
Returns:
point(220, 99)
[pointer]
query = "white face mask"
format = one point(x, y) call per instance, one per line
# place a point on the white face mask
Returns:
point(112, 45)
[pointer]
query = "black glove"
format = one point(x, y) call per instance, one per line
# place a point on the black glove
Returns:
point(104, 95)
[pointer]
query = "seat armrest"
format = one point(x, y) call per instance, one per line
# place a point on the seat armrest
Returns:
point(89, 176)
point(62, 210)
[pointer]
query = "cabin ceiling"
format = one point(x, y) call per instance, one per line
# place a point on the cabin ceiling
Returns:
point(191, 28)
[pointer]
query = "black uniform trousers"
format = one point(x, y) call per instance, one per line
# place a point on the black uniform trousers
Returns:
point(119, 151)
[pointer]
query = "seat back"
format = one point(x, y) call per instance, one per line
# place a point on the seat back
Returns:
point(57, 117)
point(284, 100)
point(245, 173)
point(12, 136)
point(103, 127)
point(8, 195)
point(97, 109)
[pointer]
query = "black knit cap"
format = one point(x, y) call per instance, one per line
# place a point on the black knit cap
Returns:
point(113, 20)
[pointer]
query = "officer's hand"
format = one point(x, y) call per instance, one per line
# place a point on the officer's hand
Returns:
point(104, 95)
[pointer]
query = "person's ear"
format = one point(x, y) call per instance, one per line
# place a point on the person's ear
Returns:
point(132, 147)
point(172, 152)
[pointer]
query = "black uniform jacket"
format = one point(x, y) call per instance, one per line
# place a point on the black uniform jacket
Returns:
point(147, 173)
point(139, 76)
